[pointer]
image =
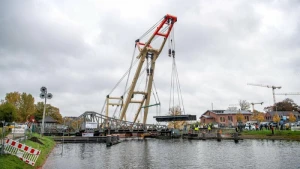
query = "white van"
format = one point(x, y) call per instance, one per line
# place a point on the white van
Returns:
point(251, 127)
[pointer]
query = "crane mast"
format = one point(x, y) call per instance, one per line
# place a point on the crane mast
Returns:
point(147, 52)
point(268, 86)
point(254, 104)
point(291, 93)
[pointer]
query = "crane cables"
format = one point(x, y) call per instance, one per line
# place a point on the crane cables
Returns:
point(175, 84)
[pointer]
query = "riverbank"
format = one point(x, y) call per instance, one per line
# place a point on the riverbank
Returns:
point(267, 134)
point(46, 145)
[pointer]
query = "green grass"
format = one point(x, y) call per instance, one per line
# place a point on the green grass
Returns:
point(283, 133)
point(13, 162)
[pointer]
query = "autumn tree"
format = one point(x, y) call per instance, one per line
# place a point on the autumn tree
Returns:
point(258, 116)
point(50, 111)
point(244, 104)
point(55, 114)
point(26, 107)
point(73, 124)
point(292, 118)
point(174, 111)
point(13, 98)
point(24, 104)
point(276, 118)
point(240, 117)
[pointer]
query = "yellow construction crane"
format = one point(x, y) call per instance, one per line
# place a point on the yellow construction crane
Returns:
point(268, 86)
point(254, 104)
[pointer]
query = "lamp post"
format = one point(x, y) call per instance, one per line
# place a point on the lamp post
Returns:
point(44, 95)
point(14, 129)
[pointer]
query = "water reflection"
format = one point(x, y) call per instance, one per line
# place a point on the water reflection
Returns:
point(178, 153)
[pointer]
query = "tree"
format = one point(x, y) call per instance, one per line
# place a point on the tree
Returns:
point(292, 118)
point(8, 112)
point(24, 104)
point(287, 105)
point(232, 108)
point(55, 114)
point(176, 110)
point(73, 124)
point(276, 118)
point(244, 104)
point(258, 116)
point(13, 98)
point(39, 108)
point(26, 107)
point(50, 111)
point(240, 117)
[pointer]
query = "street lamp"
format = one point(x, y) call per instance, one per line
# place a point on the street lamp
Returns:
point(14, 129)
point(44, 95)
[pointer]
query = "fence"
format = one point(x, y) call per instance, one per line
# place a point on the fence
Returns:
point(25, 153)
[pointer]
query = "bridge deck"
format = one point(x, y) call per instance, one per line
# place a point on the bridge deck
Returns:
point(175, 118)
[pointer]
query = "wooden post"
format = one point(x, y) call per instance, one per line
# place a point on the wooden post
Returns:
point(236, 137)
point(219, 136)
point(108, 140)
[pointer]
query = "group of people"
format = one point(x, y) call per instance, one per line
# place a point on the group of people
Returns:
point(209, 126)
point(256, 126)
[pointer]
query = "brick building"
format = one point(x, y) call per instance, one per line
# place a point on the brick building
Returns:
point(224, 117)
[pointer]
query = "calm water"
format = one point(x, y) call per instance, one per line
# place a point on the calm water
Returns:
point(154, 153)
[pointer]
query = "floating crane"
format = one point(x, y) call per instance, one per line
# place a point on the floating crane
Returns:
point(254, 104)
point(268, 86)
point(291, 93)
point(148, 54)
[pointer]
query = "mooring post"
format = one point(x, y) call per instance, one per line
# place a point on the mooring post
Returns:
point(219, 136)
point(108, 140)
point(236, 137)
point(203, 136)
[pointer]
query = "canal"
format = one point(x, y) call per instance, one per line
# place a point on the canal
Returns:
point(177, 153)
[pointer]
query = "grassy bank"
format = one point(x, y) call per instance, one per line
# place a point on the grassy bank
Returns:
point(13, 162)
point(267, 134)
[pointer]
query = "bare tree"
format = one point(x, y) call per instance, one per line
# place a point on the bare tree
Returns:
point(232, 108)
point(244, 105)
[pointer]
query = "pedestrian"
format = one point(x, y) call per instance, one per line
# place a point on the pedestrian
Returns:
point(272, 128)
point(260, 127)
point(209, 128)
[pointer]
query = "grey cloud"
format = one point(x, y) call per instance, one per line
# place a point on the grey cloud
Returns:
point(219, 49)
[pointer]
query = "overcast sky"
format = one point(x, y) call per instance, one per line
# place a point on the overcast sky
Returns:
point(80, 49)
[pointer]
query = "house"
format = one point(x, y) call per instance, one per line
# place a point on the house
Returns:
point(49, 122)
point(284, 115)
point(224, 117)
